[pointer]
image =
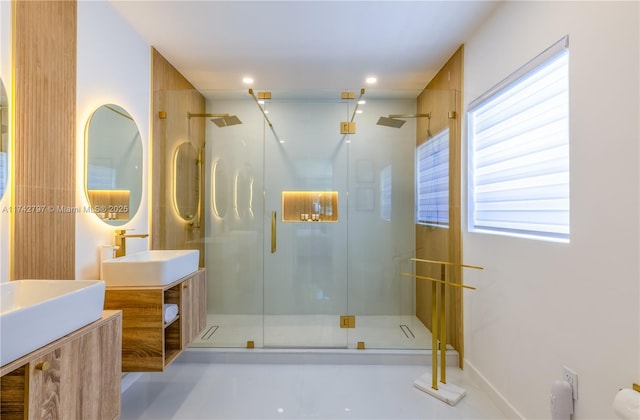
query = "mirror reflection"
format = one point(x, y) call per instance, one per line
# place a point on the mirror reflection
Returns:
point(243, 194)
point(220, 192)
point(4, 144)
point(113, 164)
point(186, 186)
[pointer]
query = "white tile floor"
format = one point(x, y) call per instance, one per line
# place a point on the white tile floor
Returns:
point(300, 391)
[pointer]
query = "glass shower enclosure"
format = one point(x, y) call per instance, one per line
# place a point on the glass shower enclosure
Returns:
point(308, 232)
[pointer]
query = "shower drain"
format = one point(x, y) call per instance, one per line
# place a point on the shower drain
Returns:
point(207, 335)
point(407, 331)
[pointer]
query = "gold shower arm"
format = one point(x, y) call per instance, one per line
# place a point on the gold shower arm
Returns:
point(427, 115)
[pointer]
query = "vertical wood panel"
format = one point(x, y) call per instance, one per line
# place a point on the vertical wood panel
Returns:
point(442, 94)
point(174, 95)
point(44, 45)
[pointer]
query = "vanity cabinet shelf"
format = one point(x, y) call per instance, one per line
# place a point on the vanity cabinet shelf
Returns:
point(75, 377)
point(148, 343)
point(172, 321)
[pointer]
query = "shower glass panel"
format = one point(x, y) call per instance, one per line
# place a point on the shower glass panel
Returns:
point(234, 207)
point(305, 275)
point(382, 231)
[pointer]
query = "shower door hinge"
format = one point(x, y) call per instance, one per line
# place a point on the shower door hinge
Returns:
point(452, 115)
point(347, 127)
point(347, 321)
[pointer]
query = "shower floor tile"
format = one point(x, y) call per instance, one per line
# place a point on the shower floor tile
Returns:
point(317, 331)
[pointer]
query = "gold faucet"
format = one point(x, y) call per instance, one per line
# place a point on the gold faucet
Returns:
point(121, 241)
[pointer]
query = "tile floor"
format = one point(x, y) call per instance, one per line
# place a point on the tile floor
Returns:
point(296, 391)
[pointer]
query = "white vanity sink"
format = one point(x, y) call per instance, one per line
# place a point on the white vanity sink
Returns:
point(34, 313)
point(150, 268)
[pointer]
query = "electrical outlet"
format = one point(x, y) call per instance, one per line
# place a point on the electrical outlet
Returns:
point(571, 377)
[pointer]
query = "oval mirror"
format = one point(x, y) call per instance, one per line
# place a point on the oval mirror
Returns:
point(186, 183)
point(220, 189)
point(4, 144)
point(113, 164)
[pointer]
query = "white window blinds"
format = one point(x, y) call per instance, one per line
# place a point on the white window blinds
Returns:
point(519, 151)
point(432, 180)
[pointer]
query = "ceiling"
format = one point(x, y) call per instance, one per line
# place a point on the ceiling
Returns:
point(306, 46)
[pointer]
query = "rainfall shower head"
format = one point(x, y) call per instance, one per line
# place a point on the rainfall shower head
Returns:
point(390, 122)
point(226, 121)
point(221, 120)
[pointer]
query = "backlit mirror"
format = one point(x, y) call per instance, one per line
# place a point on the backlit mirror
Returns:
point(4, 144)
point(113, 165)
point(186, 185)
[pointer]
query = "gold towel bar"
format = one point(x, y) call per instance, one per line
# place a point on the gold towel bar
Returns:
point(438, 281)
point(448, 263)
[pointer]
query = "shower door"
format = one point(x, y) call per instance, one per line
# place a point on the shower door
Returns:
point(305, 222)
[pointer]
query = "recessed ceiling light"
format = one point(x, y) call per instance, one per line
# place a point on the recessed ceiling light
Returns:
point(359, 111)
point(261, 101)
point(248, 80)
point(362, 102)
point(371, 80)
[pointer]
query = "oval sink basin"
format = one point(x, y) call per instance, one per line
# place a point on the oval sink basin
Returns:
point(33, 313)
point(150, 268)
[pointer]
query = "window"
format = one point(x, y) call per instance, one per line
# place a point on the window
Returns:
point(432, 181)
point(100, 177)
point(519, 151)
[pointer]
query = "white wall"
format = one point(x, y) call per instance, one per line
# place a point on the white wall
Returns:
point(541, 306)
point(113, 67)
point(5, 74)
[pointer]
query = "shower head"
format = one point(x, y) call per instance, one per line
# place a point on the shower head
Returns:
point(226, 121)
point(390, 122)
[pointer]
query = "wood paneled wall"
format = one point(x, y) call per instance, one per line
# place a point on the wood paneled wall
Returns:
point(443, 94)
point(44, 55)
point(174, 96)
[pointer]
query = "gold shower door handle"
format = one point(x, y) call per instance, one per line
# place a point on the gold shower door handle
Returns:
point(273, 232)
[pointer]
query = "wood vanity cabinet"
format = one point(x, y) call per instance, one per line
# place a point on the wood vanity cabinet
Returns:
point(75, 377)
point(149, 344)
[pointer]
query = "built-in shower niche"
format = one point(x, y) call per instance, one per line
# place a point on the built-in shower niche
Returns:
point(309, 206)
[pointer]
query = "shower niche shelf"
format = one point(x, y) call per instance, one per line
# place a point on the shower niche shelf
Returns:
point(149, 344)
point(309, 206)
